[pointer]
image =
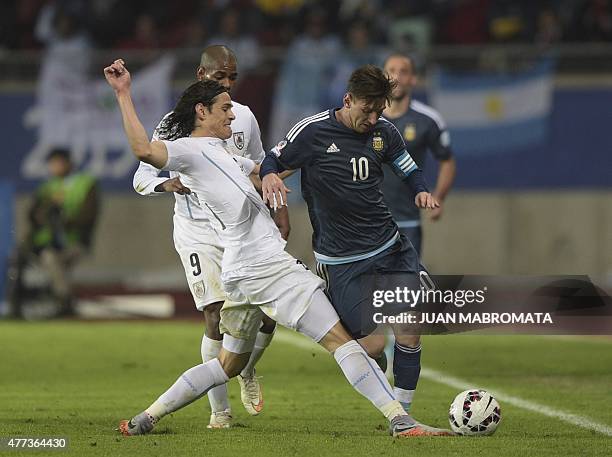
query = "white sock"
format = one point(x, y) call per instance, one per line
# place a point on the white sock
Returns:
point(262, 341)
point(217, 397)
point(190, 386)
point(404, 396)
point(367, 378)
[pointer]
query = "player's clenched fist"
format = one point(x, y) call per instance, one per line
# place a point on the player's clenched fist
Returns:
point(425, 200)
point(273, 190)
point(117, 75)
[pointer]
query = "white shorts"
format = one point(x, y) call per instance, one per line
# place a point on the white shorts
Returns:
point(200, 251)
point(283, 289)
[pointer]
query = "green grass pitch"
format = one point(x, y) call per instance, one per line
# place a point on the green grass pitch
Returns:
point(78, 380)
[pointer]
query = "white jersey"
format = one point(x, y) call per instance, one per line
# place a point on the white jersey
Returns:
point(245, 142)
point(220, 184)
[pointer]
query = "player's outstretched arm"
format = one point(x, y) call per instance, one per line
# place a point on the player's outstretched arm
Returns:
point(154, 153)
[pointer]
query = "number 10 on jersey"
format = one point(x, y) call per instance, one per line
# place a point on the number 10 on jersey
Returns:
point(361, 168)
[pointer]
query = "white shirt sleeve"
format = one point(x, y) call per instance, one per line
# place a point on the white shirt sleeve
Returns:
point(255, 150)
point(246, 164)
point(146, 178)
point(179, 155)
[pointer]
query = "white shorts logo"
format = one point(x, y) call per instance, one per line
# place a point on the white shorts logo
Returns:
point(198, 289)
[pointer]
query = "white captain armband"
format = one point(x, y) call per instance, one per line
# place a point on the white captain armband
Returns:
point(404, 164)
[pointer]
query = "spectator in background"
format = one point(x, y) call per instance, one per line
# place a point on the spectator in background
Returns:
point(58, 27)
point(302, 86)
point(232, 34)
point(358, 52)
point(66, 46)
point(194, 34)
point(508, 22)
point(279, 7)
point(62, 219)
point(594, 21)
point(549, 30)
point(464, 22)
point(146, 34)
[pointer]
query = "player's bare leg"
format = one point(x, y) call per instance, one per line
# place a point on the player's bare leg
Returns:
point(250, 388)
point(212, 340)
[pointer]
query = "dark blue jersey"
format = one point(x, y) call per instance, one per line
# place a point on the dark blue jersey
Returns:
point(341, 177)
point(423, 129)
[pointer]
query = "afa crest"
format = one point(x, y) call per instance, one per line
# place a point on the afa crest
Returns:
point(378, 144)
point(239, 140)
point(410, 132)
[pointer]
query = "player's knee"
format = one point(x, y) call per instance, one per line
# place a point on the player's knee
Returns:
point(374, 345)
point(336, 337)
point(267, 325)
point(233, 363)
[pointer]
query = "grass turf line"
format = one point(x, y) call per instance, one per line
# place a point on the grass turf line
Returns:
point(78, 379)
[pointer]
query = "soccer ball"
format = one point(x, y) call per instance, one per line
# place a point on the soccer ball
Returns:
point(474, 412)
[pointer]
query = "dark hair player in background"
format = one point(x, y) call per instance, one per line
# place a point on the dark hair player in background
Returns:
point(423, 129)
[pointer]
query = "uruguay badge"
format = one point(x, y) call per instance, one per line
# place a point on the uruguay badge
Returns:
point(239, 140)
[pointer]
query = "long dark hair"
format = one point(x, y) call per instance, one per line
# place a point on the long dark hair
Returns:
point(181, 121)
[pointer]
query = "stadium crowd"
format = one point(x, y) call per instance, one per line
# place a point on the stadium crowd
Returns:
point(248, 24)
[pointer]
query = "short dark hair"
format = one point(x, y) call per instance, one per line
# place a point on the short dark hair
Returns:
point(59, 153)
point(370, 83)
point(181, 121)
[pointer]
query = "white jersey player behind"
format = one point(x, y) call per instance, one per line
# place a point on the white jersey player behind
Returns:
point(198, 245)
point(256, 268)
point(195, 241)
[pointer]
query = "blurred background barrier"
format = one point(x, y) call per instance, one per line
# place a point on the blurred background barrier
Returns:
point(6, 233)
point(524, 88)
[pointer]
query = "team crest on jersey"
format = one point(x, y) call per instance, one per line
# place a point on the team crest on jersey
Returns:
point(377, 143)
point(410, 132)
point(239, 139)
point(198, 289)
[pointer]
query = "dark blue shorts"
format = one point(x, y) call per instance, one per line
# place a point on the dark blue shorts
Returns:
point(415, 235)
point(351, 286)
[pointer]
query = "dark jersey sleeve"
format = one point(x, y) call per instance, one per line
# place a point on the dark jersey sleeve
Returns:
point(438, 142)
point(290, 154)
point(396, 155)
point(402, 164)
point(296, 151)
